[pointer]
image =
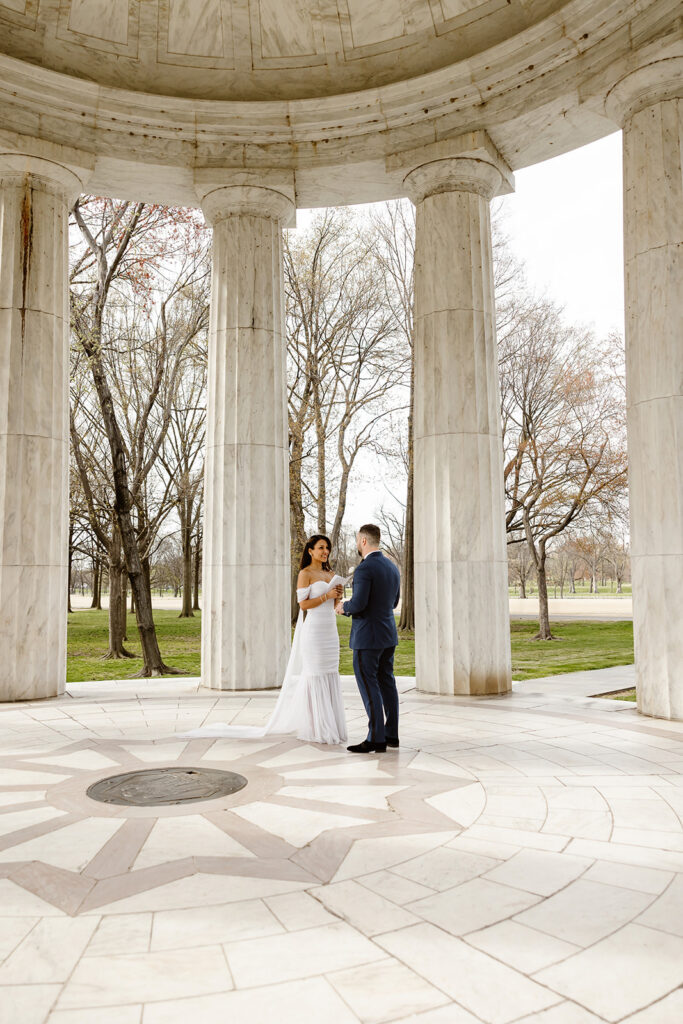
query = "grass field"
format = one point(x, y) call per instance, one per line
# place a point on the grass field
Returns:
point(579, 646)
point(87, 642)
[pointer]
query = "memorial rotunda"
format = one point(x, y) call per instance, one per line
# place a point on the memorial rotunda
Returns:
point(250, 109)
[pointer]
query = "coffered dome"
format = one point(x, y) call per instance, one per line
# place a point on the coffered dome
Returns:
point(327, 89)
point(258, 49)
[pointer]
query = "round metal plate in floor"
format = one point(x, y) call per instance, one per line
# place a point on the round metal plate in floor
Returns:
point(158, 786)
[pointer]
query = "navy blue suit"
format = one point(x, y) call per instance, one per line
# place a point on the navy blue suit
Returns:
point(376, 592)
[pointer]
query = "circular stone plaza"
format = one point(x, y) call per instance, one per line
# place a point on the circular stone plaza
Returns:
point(520, 857)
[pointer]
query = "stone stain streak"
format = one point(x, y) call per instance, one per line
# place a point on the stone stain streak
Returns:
point(26, 231)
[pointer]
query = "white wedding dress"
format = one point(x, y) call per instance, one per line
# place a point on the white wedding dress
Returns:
point(310, 702)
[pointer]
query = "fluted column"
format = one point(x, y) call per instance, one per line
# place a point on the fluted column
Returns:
point(34, 437)
point(649, 105)
point(246, 566)
point(461, 596)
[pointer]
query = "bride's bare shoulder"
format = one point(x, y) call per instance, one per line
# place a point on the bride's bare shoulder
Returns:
point(304, 579)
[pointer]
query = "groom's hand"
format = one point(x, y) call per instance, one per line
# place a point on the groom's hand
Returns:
point(339, 607)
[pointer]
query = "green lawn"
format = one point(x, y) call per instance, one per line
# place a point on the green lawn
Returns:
point(579, 646)
point(87, 642)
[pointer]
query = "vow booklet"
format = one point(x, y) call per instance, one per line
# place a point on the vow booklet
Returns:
point(336, 581)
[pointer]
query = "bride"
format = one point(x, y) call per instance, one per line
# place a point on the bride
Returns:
point(310, 702)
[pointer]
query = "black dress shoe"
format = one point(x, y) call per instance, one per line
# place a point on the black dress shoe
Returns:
point(392, 741)
point(367, 748)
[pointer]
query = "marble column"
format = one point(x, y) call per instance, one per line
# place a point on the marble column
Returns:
point(246, 566)
point(649, 105)
point(35, 195)
point(461, 596)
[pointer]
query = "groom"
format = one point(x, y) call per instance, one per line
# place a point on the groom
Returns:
point(376, 591)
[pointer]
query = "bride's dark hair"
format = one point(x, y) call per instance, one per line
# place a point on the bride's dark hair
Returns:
point(311, 543)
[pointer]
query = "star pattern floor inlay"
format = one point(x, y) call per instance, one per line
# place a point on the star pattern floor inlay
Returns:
point(507, 859)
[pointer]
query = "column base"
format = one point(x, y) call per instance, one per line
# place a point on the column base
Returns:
point(657, 634)
point(464, 650)
point(243, 649)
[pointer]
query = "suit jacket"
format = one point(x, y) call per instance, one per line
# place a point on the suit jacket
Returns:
point(376, 592)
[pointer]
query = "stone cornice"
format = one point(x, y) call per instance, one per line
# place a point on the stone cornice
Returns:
point(537, 94)
point(579, 40)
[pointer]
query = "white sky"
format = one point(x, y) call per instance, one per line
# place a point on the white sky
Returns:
point(565, 222)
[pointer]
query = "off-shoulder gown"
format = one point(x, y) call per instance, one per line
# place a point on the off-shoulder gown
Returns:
point(310, 702)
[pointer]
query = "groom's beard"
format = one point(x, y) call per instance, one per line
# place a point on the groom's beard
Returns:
point(360, 553)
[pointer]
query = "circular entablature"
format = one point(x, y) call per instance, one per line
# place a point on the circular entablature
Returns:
point(162, 787)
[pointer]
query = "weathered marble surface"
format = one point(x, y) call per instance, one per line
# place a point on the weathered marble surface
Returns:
point(653, 253)
point(461, 613)
point(327, 90)
point(504, 859)
point(34, 437)
point(245, 622)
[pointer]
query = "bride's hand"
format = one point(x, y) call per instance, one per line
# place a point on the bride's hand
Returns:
point(337, 591)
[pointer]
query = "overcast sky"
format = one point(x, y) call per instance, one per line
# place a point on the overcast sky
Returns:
point(565, 222)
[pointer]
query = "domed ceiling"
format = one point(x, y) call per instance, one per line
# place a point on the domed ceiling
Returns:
point(257, 49)
point(325, 89)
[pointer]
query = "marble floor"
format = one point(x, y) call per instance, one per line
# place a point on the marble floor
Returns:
point(518, 859)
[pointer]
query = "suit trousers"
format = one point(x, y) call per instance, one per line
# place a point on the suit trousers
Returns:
point(374, 671)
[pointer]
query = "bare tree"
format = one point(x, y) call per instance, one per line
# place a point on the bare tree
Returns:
point(519, 567)
point(395, 228)
point(393, 525)
point(345, 363)
point(182, 455)
point(563, 435)
point(125, 249)
point(90, 459)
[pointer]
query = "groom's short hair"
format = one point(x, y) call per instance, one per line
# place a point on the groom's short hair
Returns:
point(371, 533)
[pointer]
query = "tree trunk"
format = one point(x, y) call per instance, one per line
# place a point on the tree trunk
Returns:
point(538, 555)
point(522, 587)
point(543, 616)
point(124, 606)
point(132, 602)
point(68, 582)
point(407, 617)
point(197, 563)
point(123, 503)
point(186, 540)
point(116, 612)
point(321, 458)
point(341, 501)
point(95, 603)
point(296, 513)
